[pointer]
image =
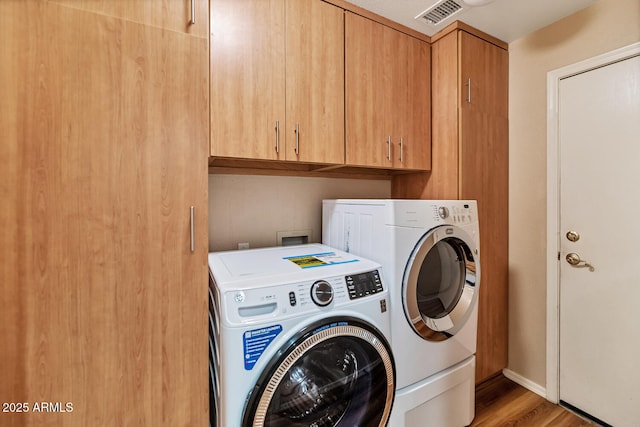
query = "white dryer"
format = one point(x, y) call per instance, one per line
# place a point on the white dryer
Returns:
point(429, 251)
point(299, 337)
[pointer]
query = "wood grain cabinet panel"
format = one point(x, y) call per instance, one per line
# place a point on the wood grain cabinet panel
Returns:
point(470, 161)
point(387, 96)
point(187, 16)
point(483, 176)
point(364, 96)
point(104, 125)
point(277, 73)
point(413, 105)
point(248, 79)
point(315, 82)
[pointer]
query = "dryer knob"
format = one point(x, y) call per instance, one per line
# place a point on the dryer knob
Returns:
point(322, 293)
point(443, 212)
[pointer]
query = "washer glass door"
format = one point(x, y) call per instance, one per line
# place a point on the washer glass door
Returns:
point(440, 283)
point(339, 373)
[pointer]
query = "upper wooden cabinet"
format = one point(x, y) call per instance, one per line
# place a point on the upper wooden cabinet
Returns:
point(470, 161)
point(387, 96)
point(315, 82)
point(186, 16)
point(247, 79)
point(277, 80)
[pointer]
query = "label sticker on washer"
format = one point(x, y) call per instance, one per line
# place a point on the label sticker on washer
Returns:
point(256, 341)
point(320, 260)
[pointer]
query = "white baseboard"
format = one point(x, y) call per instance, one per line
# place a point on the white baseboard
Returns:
point(525, 382)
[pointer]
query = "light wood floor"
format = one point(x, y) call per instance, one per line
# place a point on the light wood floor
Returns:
point(501, 402)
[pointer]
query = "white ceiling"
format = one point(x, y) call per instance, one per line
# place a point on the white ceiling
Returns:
point(508, 20)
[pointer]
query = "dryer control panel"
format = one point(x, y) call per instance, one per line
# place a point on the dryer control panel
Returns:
point(457, 213)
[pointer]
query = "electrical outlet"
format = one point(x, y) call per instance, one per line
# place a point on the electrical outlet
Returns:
point(243, 245)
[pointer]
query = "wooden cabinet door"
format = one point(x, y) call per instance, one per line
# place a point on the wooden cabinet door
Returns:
point(315, 82)
point(410, 111)
point(104, 151)
point(395, 87)
point(366, 76)
point(484, 177)
point(387, 96)
point(261, 96)
point(417, 144)
point(186, 16)
point(248, 79)
point(484, 76)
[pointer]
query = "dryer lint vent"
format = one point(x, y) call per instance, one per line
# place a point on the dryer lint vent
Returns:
point(440, 12)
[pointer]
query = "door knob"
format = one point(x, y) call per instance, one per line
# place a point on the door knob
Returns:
point(573, 236)
point(574, 260)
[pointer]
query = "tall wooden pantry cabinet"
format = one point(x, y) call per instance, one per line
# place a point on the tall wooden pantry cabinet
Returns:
point(470, 161)
point(104, 143)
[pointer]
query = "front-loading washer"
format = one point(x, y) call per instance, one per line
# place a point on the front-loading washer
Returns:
point(299, 336)
point(429, 251)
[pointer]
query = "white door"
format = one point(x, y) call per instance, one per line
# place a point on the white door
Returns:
point(599, 138)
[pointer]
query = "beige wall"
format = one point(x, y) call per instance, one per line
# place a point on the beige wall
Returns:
point(600, 28)
point(250, 208)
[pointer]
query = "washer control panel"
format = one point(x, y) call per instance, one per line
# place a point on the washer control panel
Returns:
point(363, 284)
point(309, 296)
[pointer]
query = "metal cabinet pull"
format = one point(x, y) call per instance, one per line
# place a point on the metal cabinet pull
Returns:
point(401, 147)
point(192, 228)
point(193, 12)
point(297, 139)
point(277, 136)
point(389, 148)
point(469, 90)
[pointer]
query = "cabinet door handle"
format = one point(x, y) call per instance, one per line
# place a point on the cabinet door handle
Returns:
point(389, 148)
point(193, 12)
point(297, 149)
point(277, 136)
point(192, 228)
point(401, 147)
point(469, 90)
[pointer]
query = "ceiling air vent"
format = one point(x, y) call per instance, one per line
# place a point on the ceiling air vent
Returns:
point(440, 11)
